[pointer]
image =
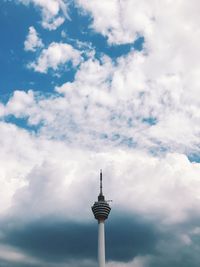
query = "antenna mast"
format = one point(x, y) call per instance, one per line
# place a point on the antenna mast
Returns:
point(101, 191)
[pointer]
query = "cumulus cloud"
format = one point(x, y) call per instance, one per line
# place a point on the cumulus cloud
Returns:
point(45, 168)
point(53, 186)
point(16, 156)
point(56, 55)
point(32, 41)
point(54, 12)
point(162, 82)
point(130, 18)
point(19, 102)
point(138, 110)
point(172, 182)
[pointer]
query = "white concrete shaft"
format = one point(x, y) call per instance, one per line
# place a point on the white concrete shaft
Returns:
point(101, 244)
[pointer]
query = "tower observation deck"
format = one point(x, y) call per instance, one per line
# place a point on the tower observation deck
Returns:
point(101, 210)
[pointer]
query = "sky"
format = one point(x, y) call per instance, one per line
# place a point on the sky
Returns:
point(90, 85)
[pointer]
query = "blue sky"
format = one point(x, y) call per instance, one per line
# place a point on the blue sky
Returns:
point(90, 85)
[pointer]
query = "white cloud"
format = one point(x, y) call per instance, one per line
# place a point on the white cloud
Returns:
point(137, 262)
point(56, 55)
point(54, 24)
point(129, 18)
point(43, 178)
point(124, 97)
point(32, 165)
point(165, 190)
point(112, 104)
point(16, 157)
point(54, 12)
point(19, 102)
point(32, 41)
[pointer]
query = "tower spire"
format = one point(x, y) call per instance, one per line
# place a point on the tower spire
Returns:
point(101, 196)
point(101, 187)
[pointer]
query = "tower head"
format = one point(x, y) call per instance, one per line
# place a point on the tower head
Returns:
point(101, 208)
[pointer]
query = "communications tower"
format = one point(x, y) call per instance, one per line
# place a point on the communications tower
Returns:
point(101, 210)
